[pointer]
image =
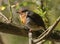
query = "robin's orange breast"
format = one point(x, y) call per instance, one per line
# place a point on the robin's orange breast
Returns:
point(23, 18)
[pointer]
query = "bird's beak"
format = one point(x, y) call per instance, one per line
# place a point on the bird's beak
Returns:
point(18, 12)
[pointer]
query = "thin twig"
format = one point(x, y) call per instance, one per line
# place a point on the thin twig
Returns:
point(48, 31)
point(42, 41)
point(4, 18)
point(51, 27)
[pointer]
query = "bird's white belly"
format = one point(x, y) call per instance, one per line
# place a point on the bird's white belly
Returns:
point(34, 27)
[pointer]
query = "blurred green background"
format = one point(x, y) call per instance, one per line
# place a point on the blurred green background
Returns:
point(9, 7)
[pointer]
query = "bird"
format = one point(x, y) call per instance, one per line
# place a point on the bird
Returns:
point(31, 20)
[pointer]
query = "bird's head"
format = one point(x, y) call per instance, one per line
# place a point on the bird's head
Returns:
point(23, 15)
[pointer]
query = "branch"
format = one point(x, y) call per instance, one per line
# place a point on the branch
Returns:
point(51, 27)
point(3, 16)
point(22, 31)
point(15, 30)
point(48, 31)
point(11, 29)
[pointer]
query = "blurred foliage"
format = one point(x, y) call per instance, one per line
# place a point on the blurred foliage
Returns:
point(51, 13)
point(2, 8)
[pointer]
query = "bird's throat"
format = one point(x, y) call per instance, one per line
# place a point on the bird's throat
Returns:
point(23, 19)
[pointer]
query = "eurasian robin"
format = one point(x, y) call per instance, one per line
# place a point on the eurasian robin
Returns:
point(31, 20)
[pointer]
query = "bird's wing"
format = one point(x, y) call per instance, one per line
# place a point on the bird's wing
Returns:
point(37, 19)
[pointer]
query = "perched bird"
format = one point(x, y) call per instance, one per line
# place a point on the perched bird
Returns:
point(32, 20)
